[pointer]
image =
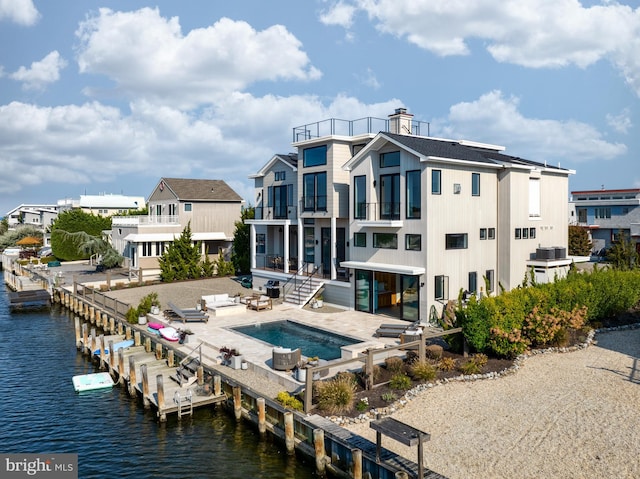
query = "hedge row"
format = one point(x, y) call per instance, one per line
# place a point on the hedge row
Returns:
point(541, 314)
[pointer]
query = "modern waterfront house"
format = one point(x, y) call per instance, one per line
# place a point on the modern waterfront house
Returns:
point(606, 214)
point(209, 207)
point(393, 222)
point(103, 205)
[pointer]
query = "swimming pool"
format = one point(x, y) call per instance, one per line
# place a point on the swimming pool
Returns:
point(289, 334)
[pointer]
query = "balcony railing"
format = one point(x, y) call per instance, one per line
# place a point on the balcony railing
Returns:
point(378, 211)
point(361, 126)
point(314, 203)
point(144, 220)
point(276, 213)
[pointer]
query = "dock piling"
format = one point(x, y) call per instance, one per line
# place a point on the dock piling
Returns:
point(289, 441)
point(262, 422)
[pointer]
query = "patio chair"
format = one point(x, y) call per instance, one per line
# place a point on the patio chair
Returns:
point(185, 315)
point(285, 359)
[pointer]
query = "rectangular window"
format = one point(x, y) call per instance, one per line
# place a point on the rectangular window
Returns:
point(146, 249)
point(532, 233)
point(582, 215)
point(473, 282)
point(280, 206)
point(492, 233)
point(518, 233)
point(260, 243)
point(187, 207)
point(483, 233)
point(385, 240)
point(280, 175)
point(390, 197)
point(436, 182)
point(389, 159)
point(360, 240)
point(525, 233)
point(309, 245)
point(456, 241)
point(159, 248)
point(413, 242)
point(173, 209)
point(316, 156)
point(475, 184)
point(534, 197)
point(441, 288)
point(414, 194)
point(314, 192)
point(360, 197)
point(603, 213)
point(490, 281)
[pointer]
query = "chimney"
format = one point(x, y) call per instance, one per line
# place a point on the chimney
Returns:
point(400, 122)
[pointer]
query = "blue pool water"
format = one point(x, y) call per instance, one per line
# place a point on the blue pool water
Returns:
point(289, 334)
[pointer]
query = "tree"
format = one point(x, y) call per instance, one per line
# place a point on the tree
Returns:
point(88, 246)
point(623, 255)
point(241, 257)
point(67, 247)
point(181, 259)
point(579, 242)
point(4, 225)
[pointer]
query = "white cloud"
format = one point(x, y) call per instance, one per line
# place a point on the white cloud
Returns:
point(41, 73)
point(148, 56)
point(532, 33)
point(492, 118)
point(22, 12)
point(340, 14)
point(621, 122)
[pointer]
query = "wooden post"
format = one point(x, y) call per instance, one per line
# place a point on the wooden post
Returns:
point(217, 385)
point(147, 343)
point(288, 432)
point(237, 402)
point(308, 393)
point(93, 342)
point(402, 475)
point(120, 328)
point(158, 350)
point(170, 360)
point(76, 322)
point(132, 376)
point(318, 445)
point(200, 373)
point(92, 313)
point(85, 336)
point(112, 356)
point(103, 346)
point(420, 455)
point(127, 332)
point(422, 349)
point(112, 325)
point(369, 369)
point(159, 382)
point(262, 422)
point(356, 464)
point(108, 279)
point(145, 386)
point(120, 365)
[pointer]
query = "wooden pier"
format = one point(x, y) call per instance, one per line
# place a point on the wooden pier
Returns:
point(29, 299)
point(167, 387)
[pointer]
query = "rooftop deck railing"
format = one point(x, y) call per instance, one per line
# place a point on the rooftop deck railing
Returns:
point(144, 220)
point(361, 126)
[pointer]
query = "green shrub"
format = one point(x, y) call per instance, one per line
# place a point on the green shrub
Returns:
point(289, 401)
point(336, 395)
point(394, 364)
point(469, 367)
point(447, 364)
point(423, 371)
point(362, 405)
point(400, 381)
point(389, 397)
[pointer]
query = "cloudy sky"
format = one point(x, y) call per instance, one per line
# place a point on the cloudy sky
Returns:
point(108, 96)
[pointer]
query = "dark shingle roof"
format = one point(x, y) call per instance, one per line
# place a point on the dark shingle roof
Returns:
point(290, 158)
point(201, 190)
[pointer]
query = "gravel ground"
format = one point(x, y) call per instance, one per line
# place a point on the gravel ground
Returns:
point(562, 415)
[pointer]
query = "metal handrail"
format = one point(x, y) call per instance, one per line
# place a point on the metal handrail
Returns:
point(292, 282)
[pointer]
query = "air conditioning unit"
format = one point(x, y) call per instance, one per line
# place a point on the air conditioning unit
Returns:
point(545, 253)
point(561, 252)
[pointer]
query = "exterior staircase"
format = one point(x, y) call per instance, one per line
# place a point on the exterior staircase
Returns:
point(300, 289)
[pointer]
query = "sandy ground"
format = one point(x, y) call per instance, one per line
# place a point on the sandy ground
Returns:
point(562, 415)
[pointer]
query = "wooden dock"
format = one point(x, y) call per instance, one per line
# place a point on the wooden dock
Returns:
point(29, 299)
point(167, 387)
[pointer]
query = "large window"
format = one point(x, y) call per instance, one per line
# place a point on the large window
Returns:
point(309, 245)
point(315, 191)
point(603, 212)
point(316, 156)
point(456, 241)
point(282, 197)
point(360, 240)
point(385, 240)
point(436, 182)
point(473, 282)
point(389, 159)
point(534, 197)
point(146, 249)
point(260, 243)
point(390, 197)
point(413, 242)
point(413, 194)
point(360, 197)
point(475, 184)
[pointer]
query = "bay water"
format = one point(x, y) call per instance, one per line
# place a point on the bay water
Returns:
point(112, 434)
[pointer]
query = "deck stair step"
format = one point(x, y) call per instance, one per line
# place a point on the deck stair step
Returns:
point(303, 293)
point(186, 374)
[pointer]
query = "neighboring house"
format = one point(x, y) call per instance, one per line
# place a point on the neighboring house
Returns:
point(103, 205)
point(210, 207)
point(606, 214)
point(398, 223)
point(38, 215)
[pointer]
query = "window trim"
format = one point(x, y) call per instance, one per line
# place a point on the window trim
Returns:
point(307, 163)
point(475, 184)
point(359, 235)
point(408, 237)
point(438, 190)
point(377, 240)
point(450, 244)
point(441, 282)
point(417, 213)
point(390, 154)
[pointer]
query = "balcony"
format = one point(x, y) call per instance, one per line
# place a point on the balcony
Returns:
point(144, 220)
point(362, 126)
point(276, 213)
point(379, 214)
point(313, 203)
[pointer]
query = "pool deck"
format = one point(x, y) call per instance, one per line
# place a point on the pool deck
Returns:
point(218, 333)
